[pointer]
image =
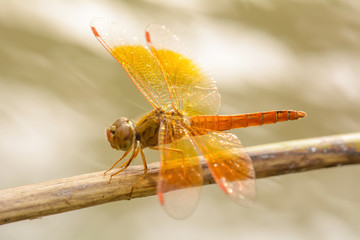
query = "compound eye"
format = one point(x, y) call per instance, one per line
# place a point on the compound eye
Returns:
point(112, 130)
point(121, 134)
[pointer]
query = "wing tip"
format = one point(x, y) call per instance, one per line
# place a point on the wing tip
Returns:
point(96, 23)
point(93, 29)
point(147, 36)
point(154, 27)
point(161, 198)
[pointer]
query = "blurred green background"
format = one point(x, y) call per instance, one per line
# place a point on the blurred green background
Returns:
point(59, 90)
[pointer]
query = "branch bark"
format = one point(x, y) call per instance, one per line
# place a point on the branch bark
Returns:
point(61, 195)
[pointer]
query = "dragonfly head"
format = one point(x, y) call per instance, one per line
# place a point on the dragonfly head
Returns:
point(121, 134)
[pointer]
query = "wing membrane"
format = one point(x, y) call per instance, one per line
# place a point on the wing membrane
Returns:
point(229, 164)
point(191, 89)
point(180, 177)
point(137, 61)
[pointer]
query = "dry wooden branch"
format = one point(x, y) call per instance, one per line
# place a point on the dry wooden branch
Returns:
point(61, 195)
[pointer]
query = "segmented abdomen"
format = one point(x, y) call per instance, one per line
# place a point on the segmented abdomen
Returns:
point(221, 123)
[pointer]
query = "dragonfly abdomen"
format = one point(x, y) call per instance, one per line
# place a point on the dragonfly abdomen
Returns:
point(221, 123)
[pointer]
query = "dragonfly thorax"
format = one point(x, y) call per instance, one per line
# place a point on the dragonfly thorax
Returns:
point(147, 128)
point(122, 134)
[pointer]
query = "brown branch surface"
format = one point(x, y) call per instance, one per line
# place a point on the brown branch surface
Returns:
point(61, 195)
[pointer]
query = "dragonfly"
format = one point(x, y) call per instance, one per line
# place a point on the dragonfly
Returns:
point(183, 125)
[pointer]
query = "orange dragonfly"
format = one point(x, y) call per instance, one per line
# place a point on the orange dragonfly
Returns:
point(183, 126)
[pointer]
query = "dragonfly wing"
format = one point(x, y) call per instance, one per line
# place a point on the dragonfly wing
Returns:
point(230, 165)
point(192, 90)
point(180, 176)
point(136, 59)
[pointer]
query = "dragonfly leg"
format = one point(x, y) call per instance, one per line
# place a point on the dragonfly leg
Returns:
point(123, 156)
point(145, 172)
point(126, 164)
point(172, 150)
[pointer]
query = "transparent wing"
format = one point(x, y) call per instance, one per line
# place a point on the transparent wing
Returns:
point(191, 89)
point(136, 59)
point(180, 176)
point(230, 165)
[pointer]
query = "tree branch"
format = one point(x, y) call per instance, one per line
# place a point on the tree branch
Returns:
point(61, 195)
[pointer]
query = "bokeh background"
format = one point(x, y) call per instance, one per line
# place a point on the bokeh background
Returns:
point(59, 90)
